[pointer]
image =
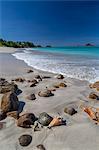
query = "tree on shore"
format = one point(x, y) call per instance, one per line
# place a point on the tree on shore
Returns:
point(16, 44)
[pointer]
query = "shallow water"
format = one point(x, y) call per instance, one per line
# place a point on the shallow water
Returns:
point(76, 62)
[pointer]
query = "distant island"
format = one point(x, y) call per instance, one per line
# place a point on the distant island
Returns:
point(89, 44)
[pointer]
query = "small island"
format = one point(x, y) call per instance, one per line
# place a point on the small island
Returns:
point(89, 44)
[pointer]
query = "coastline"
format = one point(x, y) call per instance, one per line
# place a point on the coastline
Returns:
point(48, 60)
point(79, 130)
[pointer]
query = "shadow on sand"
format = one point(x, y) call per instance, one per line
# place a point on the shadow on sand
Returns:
point(21, 106)
point(18, 92)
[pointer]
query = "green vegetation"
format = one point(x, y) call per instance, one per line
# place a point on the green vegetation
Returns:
point(17, 44)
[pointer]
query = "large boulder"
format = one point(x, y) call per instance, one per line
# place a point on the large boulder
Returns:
point(25, 140)
point(45, 93)
point(7, 87)
point(45, 119)
point(26, 120)
point(70, 110)
point(9, 102)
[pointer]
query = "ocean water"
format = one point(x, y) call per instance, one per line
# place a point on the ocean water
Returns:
point(75, 62)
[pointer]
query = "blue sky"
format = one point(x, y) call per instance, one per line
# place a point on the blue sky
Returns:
point(57, 23)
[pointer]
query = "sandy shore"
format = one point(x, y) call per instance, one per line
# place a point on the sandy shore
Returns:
point(7, 50)
point(79, 133)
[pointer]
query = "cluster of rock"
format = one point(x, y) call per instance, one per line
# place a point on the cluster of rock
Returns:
point(10, 105)
point(10, 102)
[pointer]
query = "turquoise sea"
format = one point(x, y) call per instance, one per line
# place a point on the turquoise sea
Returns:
point(91, 51)
point(75, 62)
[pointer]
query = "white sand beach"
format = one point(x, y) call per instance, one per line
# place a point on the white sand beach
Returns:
point(79, 133)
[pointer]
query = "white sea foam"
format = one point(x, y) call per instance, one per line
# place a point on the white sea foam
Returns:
point(79, 68)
